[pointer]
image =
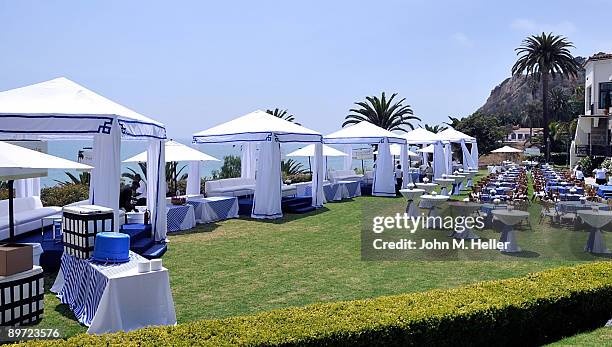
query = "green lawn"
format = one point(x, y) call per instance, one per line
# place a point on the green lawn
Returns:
point(244, 266)
point(601, 337)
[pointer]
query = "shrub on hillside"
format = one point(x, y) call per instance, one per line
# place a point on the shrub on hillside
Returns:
point(62, 195)
point(530, 310)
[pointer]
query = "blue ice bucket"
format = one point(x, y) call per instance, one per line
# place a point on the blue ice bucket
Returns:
point(111, 247)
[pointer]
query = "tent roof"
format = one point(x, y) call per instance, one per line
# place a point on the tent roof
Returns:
point(506, 149)
point(428, 149)
point(397, 150)
point(62, 108)
point(362, 133)
point(421, 136)
point(175, 151)
point(257, 126)
point(308, 151)
point(15, 158)
point(453, 135)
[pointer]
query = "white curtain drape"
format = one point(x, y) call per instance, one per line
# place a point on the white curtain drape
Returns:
point(267, 199)
point(248, 160)
point(106, 174)
point(439, 160)
point(448, 152)
point(475, 155)
point(384, 179)
point(348, 160)
point(318, 198)
point(407, 178)
point(193, 178)
point(27, 187)
point(156, 188)
point(467, 157)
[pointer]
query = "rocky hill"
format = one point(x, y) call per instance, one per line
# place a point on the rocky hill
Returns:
point(510, 98)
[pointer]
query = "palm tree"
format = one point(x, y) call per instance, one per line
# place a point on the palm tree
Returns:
point(542, 56)
point(531, 115)
point(383, 113)
point(291, 167)
point(173, 175)
point(560, 103)
point(84, 178)
point(283, 114)
point(435, 128)
point(454, 122)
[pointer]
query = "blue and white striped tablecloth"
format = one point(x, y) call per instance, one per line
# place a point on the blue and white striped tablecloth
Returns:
point(216, 208)
point(180, 217)
point(85, 282)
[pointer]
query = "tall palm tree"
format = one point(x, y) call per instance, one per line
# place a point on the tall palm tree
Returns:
point(542, 56)
point(559, 103)
point(283, 114)
point(531, 115)
point(435, 128)
point(383, 113)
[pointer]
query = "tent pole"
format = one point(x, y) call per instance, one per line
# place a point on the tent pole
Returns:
point(309, 166)
point(11, 196)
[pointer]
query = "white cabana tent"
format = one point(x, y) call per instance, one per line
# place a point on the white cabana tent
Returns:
point(368, 133)
point(421, 136)
point(61, 109)
point(175, 152)
point(261, 135)
point(21, 163)
point(456, 136)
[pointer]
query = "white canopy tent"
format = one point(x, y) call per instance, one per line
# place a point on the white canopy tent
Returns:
point(423, 137)
point(175, 152)
point(18, 163)
point(368, 133)
point(261, 135)
point(62, 109)
point(456, 136)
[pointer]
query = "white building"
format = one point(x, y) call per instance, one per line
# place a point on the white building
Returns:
point(592, 136)
point(520, 135)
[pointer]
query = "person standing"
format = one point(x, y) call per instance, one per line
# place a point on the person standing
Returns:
point(578, 174)
point(140, 190)
point(399, 175)
point(600, 175)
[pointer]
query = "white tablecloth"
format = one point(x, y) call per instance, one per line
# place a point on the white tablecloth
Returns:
point(120, 298)
point(414, 198)
point(429, 187)
point(508, 234)
point(596, 219)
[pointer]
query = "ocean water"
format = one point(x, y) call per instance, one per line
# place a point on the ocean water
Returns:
point(69, 150)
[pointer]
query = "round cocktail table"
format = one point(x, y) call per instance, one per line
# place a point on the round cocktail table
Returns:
point(508, 234)
point(413, 196)
point(464, 209)
point(597, 220)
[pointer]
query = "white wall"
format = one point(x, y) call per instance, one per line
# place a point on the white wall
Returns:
point(597, 71)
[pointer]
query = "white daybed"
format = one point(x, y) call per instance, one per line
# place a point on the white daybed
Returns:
point(344, 175)
point(240, 187)
point(29, 214)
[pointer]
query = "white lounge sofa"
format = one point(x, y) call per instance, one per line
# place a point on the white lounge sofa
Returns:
point(240, 187)
point(28, 213)
point(343, 175)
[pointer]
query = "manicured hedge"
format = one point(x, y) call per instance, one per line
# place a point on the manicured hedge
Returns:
point(530, 310)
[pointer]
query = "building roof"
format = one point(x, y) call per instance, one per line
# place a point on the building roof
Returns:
point(526, 129)
point(598, 56)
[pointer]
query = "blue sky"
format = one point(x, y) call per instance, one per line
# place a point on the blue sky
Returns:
point(194, 64)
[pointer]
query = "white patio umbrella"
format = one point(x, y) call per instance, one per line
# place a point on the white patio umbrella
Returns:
point(506, 149)
point(18, 163)
point(176, 152)
point(428, 149)
point(309, 151)
point(397, 151)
